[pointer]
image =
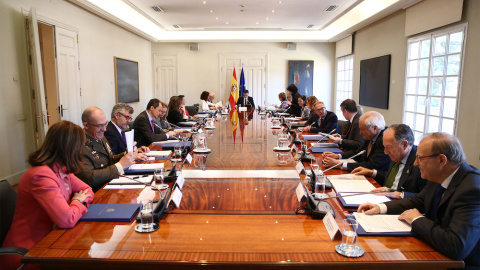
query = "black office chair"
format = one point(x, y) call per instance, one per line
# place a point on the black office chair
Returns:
point(192, 110)
point(342, 126)
point(8, 198)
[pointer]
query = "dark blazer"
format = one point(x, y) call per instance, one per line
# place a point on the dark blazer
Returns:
point(352, 139)
point(98, 163)
point(241, 102)
point(410, 182)
point(329, 123)
point(455, 232)
point(295, 109)
point(175, 117)
point(144, 136)
point(115, 139)
point(377, 159)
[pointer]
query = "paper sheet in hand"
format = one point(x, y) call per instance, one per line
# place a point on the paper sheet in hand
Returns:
point(111, 212)
point(129, 139)
point(355, 201)
point(351, 185)
point(155, 153)
point(314, 137)
point(382, 223)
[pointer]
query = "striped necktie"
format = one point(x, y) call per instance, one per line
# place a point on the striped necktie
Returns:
point(392, 175)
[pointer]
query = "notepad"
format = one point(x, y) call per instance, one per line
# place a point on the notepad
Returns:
point(143, 168)
point(351, 185)
point(111, 212)
point(382, 223)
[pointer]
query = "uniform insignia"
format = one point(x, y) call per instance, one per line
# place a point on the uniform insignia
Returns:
point(97, 157)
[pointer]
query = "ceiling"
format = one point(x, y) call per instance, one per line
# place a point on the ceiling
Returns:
point(243, 20)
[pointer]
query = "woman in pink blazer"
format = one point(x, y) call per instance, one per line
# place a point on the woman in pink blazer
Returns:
point(49, 195)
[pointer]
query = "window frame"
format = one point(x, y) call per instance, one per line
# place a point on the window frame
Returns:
point(337, 102)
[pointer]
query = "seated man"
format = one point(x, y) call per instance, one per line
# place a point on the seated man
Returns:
point(322, 121)
point(401, 175)
point(351, 139)
point(211, 105)
point(450, 201)
point(146, 130)
point(162, 120)
point(99, 163)
point(245, 101)
point(121, 116)
point(372, 125)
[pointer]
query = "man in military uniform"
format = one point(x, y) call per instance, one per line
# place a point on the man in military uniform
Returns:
point(99, 163)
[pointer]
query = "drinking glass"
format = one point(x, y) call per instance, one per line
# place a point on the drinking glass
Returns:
point(201, 160)
point(276, 123)
point(177, 152)
point(283, 141)
point(202, 141)
point(158, 176)
point(349, 247)
point(146, 215)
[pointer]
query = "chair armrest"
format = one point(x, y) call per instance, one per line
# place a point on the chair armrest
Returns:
point(13, 250)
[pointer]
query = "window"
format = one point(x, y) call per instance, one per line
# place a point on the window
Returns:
point(344, 82)
point(433, 79)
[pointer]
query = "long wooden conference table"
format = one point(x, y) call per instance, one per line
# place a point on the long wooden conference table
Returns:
point(244, 218)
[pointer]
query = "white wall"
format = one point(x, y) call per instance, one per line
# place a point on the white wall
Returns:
point(199, 70)
point(387, 37)
point(100, 41)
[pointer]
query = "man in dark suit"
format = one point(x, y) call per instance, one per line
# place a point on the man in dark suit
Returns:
point(115, 133)
point(245, 101)
point(450, 201)
point(401, 175)
point(323, 120)
point(100, 165)
point(146, 130)
point(351, 139)
point(372, 126)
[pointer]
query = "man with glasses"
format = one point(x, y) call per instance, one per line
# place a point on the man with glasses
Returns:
point(115, 133)
point(100, 165)
point(372, 126)
point(322, 121)
point(450, 201)
point(401, 175)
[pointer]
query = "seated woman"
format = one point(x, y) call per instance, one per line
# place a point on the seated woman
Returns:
point(302, 101)
point(204, 101)
point(311, 100)
point(183, 110)
point(283, 101)
point(49, 195)
point(174, 115)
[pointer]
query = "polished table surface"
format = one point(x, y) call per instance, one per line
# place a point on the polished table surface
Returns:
point(229, 222)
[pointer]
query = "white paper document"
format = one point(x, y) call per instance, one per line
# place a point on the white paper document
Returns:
point(346, 177)
point(162, 142)
point(139, 186)
point(325, 145)
point(129, 140)
point(382, 223)
point(359, 199)
point(145, 179)
point(149, 166)
point(156, 153)
point(351, 185)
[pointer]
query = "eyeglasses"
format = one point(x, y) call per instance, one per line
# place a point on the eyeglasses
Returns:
point(99, 125)
point(128, 118)
point(419, 158)
point(319, 110)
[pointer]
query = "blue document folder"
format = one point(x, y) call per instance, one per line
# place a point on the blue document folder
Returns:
point(315, 137)
point(325, 149)
point(361, 231)
point(171, 145)
point(111, 212)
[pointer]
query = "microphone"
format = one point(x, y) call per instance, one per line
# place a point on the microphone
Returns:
point(362, 193)
point(138, 181)
point(359, 153)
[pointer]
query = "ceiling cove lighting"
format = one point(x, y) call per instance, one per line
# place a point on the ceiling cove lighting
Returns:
point(123, 12)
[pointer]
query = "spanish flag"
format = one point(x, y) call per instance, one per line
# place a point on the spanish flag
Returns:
point(233, 101)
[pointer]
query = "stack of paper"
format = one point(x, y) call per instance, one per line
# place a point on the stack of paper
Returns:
point(382, 223)
point(155, 153)
point(356, 200)
point(351, 185)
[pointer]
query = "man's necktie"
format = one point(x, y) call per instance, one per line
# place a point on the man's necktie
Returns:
point(392, 175)
point(369, 149)
point(436, 201)
point(153, 128)
point(321, 123)
point(348, 128)
point(124, 138)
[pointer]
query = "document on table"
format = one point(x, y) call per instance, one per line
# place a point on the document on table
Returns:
point(359, 199)
point(145, 179)
point(139, 186)
point(162, 142)
point(149, 166)
point(346, 177)
point(156, 153)
point(351, 185)
point(325, 145)
point(382, 223)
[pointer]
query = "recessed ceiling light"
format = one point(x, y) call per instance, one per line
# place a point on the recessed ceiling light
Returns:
point(279, 2)
point(256, 23)
point(226, 23)
point(273, 10)
point(266, 18)
point(211, 11)
point(204, 2)
point(216, 18)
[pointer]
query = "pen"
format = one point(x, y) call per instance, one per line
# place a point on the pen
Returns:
point(137, 177)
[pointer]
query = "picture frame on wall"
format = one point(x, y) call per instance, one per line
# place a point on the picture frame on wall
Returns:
point(127, 88)
point(300, 73)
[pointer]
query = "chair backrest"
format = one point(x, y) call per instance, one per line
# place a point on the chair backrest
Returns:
point(192, 110)
point(342, 126)
point(8, 199)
